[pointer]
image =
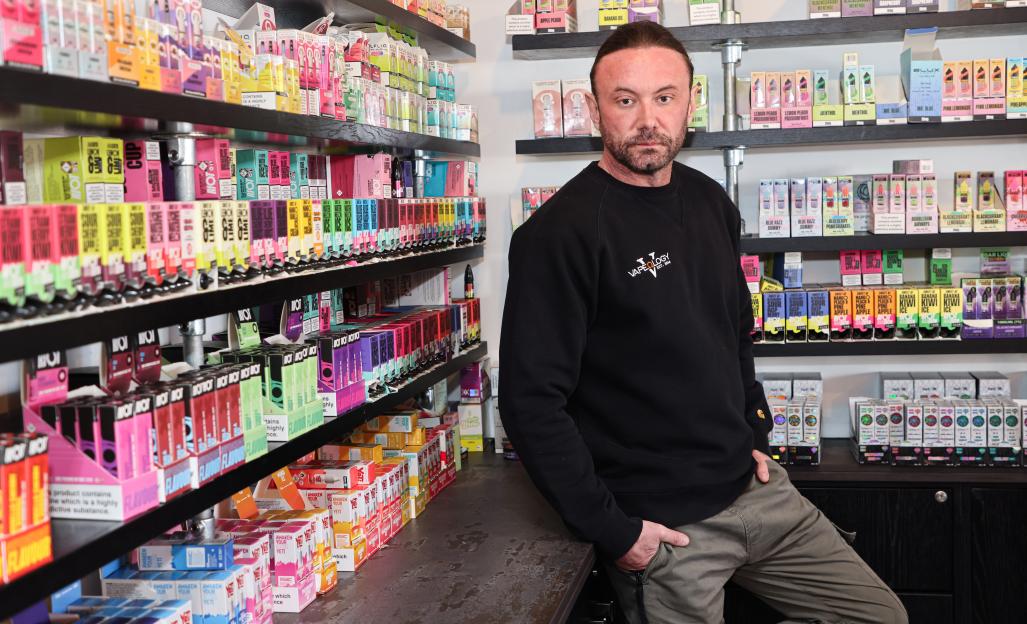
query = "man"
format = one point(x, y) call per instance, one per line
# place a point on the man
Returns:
point(628, 382)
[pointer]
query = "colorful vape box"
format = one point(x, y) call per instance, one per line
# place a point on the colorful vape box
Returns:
point(143, 178)
point(13, 189)
point(884, 314)
point(862, 314)
point(548, 110)
point(841, 314)
point(757, 317)
point(906, 313)
point(819, 9)
point(22, 34)
point(796, 304)
point(774, 316)
point(857, 8)
point(921, 72)
point(851, 267)
point(889, 7)
point(819, 320)
point(951, 313)
point(1016, 208)
point(929, 313)
point(871, 267)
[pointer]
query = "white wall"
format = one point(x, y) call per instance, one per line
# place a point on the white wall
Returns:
point(501, 88)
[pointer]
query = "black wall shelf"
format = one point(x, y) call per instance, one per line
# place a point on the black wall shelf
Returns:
point(797, 33)
point(802, 136)
point(29, 338)
point(81, 546)
point(891, 347)
point(142, 111)
point(756, 245)
point(439, 42)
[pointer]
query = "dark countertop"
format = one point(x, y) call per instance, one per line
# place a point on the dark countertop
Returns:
point(487, 549)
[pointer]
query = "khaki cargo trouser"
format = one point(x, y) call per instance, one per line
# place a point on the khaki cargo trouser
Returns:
point(772, 542)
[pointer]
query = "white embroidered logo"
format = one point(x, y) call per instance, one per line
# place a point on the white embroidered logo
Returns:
point(652, 265)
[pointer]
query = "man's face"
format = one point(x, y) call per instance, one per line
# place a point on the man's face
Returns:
point(644, 106)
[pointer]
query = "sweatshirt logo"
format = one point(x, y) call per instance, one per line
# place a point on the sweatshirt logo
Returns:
point(650, 265)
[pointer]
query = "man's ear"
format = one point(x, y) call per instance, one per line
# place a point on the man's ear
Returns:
point(693, 97)
point(593, 108)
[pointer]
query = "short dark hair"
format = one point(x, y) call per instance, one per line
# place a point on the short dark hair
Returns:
point(640, 35)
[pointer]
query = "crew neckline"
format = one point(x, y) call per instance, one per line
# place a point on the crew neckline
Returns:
point(649, 192)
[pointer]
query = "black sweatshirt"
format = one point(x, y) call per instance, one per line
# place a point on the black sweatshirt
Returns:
point(629, 390)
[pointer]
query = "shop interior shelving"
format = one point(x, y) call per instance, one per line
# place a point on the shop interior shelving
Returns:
point(757, 245)
point(34, 99)
point(793, 33)
point(752, 139)
point(26, 338)
point(439, 42)
point(82, 546)
point(890, 347)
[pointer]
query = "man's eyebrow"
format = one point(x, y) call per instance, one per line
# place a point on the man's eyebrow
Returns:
point(668, 88)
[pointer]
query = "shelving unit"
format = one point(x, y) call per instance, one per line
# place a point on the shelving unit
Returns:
point(81, 546)
point(751, 139)
point(66, 330)
point(890, 347)
point(41, 100)
point(756, 245)
point(439, 42)
point(793, 33)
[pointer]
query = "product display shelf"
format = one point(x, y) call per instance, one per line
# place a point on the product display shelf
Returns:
point(488, 549)
point(891, 347)
point(80, 547)
point(756, 245)
point(61, 101)
point(838, 465)
point(440, 43)
point(27, 338)
point(803, 136)
point(796, 33)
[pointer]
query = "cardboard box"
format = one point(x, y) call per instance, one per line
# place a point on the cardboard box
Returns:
point(702, 12)
point(819, 9)
point(921, 72)
point(907, 312)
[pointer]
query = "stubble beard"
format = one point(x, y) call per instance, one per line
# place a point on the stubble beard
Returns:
point(645, 161)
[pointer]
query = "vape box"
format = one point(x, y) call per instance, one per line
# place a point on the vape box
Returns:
point(931, 426)
point(819, 321)
point(921, 72)
point(796, 303)
point(896, 422)
point(851, 267)
point(928, 386)
point(906, 313)
point(951, 315)
point(862, 314)
point(872, 273)
point(807, 385)
point(577, 118)
point(850, 79)
point(962, 416)
point(978, 309)
point(857, 8)
point(841, 314)
point(757, 317)
point(992, 384)
point(774, 316)
point(884, 314)
point(897, 386)
point(702, 12)
point(891, 267)
point(922, 6)
point(863, 422)
point(793, 424)
point(779, 415)
point(929, 313)
point(547, 107)
point(959, 386)
point(1016, 208)
point(914, 425)
point(889, 7)
point(143, 177)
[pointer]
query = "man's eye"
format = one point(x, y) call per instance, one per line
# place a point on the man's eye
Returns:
point(625, 101)
point(664, 99)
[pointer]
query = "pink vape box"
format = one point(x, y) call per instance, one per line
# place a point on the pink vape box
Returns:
point(1016, 207)
point(22, 33)
point(851, 268)
point(143, 179)
point(212, 166)
point(142, 453)
point(288, 555)
point(871, 267)
point(358, 176)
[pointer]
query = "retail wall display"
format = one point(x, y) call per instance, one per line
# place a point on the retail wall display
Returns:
point(946, 419)
point(458, 20)
point(560, 108)
point(374, 78)
point(978, 309)
point(796, 408)
point(529, 17)
point(906, 201)
point(327, 513)
point(614, 13)
point(25, 542)
point(532, 199)
point(819, 9)
point(97, 231)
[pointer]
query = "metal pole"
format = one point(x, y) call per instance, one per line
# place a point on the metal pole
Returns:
point(202, 524)
point(192, 341)
point(729, 15)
